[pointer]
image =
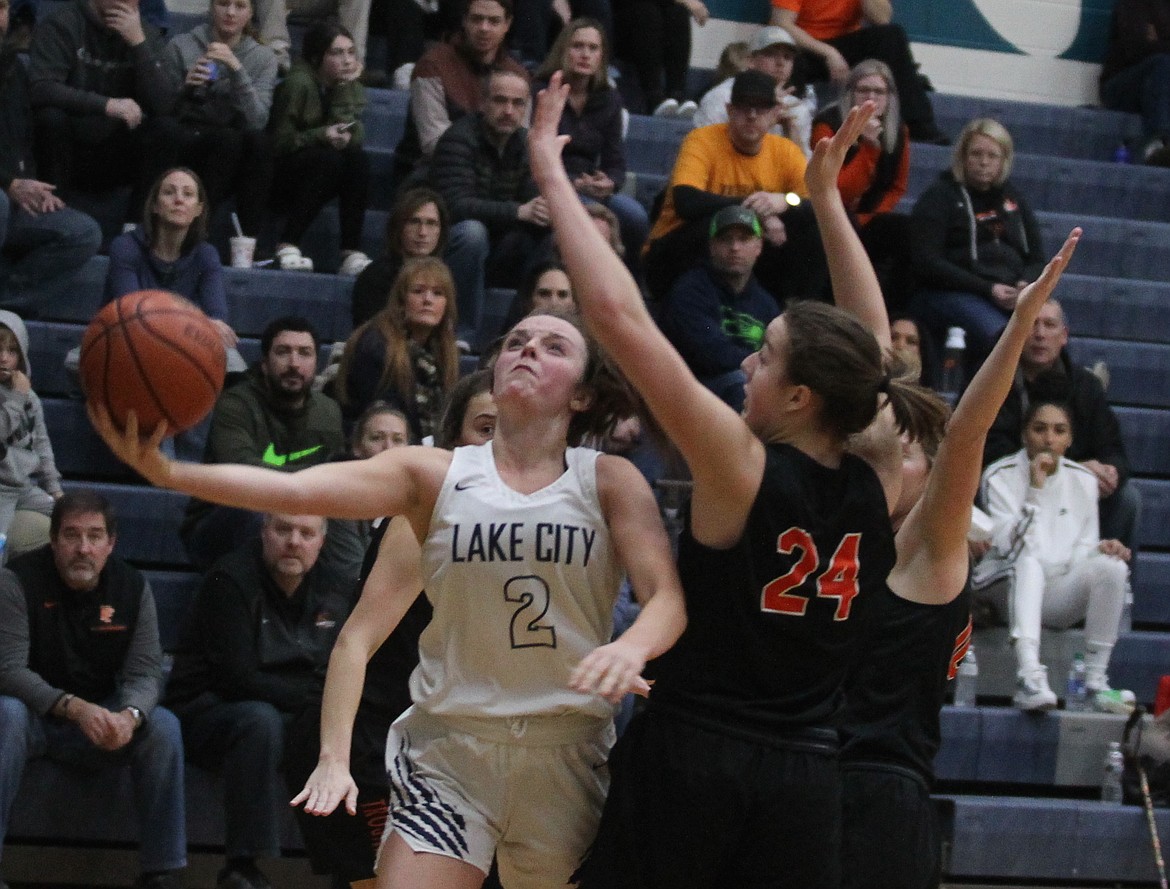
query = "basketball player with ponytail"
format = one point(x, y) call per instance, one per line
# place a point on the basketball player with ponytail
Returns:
point(729, 777)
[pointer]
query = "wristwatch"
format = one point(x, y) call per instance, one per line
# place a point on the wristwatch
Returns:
point(137, 714)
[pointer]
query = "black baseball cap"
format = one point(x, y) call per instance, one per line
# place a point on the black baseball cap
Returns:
point(753, 88)
point(736, 214)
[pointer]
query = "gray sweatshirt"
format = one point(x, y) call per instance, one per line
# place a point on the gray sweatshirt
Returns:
point(249, 90)
point(26, 456)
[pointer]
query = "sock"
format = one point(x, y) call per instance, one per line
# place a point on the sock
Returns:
point(1097, 665)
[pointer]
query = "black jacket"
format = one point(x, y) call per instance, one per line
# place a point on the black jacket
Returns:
point(245, 640)
point(951, 252)
point(479, 181)
point(1096, 432)
point(16, 156)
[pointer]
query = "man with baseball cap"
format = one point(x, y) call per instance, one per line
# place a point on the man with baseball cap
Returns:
point(740, 163)
point(716, 313)
point(772, 52)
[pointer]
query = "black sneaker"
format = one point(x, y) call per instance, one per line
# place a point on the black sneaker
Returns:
point(242, 876)
point(167, 879)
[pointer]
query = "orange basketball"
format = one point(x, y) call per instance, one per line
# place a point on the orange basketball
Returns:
point(157, 354)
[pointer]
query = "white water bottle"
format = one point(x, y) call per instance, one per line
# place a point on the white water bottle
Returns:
point(967, 679)
point(952, 368)
point(1111, 779)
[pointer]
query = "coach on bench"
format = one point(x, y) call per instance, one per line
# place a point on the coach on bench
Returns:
point(81, 672)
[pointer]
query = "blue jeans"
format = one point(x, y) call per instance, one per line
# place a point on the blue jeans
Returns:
point(982, 320)
point(39, 255)
point(466, 255)
point(1143, 88)
point(154, 756)
point(244, 741)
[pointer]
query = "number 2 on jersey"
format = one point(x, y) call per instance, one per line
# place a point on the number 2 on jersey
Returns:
point(533, 595)
point(838, 581)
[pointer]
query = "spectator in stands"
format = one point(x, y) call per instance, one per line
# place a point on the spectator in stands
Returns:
point(317, 126)
point(716, 313)
point(446, 83)
point(98, 84)
point(272, 21)
point(1048, 565)
point(654, 37)
point(835, 34)
point(341, 843)
point(732, 60)
point(406, 354)
point(596, 154)
point(42, 242)
point(222, 112)
point(29, 480)
point(773, 51)
point(1136, 73)
point(252, 651)
point(546, 288)
point(875, 175)
point(481, 170)
point(81, 674)
point(169, 251)
point(538, 21)
point(975, 241)
point(419, 225)
point(913, 350)
point(272, 419)
point(1046, 371)
point(740, 162)
point(379, 428)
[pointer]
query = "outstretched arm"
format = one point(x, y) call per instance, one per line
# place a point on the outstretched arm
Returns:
point(725, 458)
point(855, 285)
point(398, 481)
point(932, 543)
point(393, 584)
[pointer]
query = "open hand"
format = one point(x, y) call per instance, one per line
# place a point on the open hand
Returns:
point(140, 454)
point(829, 154)
point(545, 144)
point(329, 785)
point(612, 671)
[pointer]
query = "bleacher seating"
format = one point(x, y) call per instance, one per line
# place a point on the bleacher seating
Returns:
point(1117, 297)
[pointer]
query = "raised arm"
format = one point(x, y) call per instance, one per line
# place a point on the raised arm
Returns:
point(725, 458)
point(855, 285)
point(401, 481)
point(393, 584)
point(932, 543)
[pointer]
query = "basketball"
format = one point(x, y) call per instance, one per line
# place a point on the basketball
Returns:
point(157, 354)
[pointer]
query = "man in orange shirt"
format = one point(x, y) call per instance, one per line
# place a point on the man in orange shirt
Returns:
point(740, 162)
point(834, 35)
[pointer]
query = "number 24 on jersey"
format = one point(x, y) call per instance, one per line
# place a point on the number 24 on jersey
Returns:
point(838, 581)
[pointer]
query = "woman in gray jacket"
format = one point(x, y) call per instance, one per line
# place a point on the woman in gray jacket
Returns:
point(222, 111)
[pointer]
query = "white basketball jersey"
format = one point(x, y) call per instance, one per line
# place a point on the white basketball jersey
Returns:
point(523, 587)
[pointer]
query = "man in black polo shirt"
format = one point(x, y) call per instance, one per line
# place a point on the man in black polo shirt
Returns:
point(81, 672)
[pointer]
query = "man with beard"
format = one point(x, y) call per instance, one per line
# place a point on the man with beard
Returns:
point(81, 673)
point(272, 418)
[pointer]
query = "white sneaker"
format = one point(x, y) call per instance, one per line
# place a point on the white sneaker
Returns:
point(687, 109)
point(354, 264)
point(1033, 693)
point(1112, 700)
point(290, 259)
point(667, 108)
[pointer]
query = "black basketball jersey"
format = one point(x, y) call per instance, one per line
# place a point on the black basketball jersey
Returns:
point(894, 694)
point(773, 621)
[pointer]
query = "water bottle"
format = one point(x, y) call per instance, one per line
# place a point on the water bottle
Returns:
point(1121, 154)
point(1111, 779)
point(966, 679)
point(199, 93)
point(952, 369)
point(1077, 698)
